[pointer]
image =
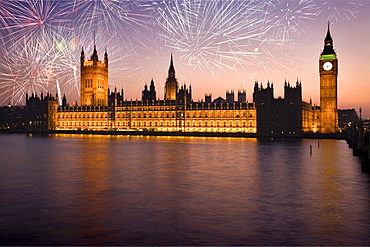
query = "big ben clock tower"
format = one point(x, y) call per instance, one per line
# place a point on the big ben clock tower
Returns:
point(328, 87)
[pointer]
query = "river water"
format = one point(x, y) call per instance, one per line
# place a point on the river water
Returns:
point(136, 190)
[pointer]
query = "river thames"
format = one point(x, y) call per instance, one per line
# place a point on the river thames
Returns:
point(137, 190)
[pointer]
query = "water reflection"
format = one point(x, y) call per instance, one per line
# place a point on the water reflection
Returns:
point(119, 190)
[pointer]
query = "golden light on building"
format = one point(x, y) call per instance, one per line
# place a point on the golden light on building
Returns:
point(102, 110)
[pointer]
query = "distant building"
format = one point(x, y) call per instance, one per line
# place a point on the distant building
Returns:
point(41, 112)
point(347, 118)
point(11, 117)
point(288, 116)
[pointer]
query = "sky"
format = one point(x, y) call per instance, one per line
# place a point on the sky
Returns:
point(217, 45)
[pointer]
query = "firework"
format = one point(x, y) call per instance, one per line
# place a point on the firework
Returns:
point(25, 69)
point(331, 10)
point(41, 47)
point(39, 66)
point(115, 16)
point(6, 12)
point(29, 19)
point(212, 35)
point(41, 40)
point(287, 19)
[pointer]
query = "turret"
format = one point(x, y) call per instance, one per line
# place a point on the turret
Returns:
point(64, 100)
point(82, 57)
point(152, 92)
point(94, 80)
point(94, 56)
point(106, 58)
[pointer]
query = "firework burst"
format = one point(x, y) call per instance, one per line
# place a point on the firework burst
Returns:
point(30, 19)
point(41, 65)
point(6, 13)
point(333, 11)
point(287, 19)
point(212, 35)
point(26, 69)
point(115, 16)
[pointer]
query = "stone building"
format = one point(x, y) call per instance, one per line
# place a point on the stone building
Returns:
point(100, 109)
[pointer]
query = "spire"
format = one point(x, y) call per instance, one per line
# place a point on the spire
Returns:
point(82, 56)
point(328, 36)
point(94, 41)
point(171, 70)
point(94, 56)
point(106, 58)
point(152, 87)
point(328, 43)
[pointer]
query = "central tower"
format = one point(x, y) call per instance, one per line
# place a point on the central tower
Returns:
point(171, 83)
point(328, 67)
point(94, 80)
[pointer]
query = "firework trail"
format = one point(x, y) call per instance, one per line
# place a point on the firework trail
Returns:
point(25, 69)
point(125, 17)
point(230, 34)
point(41, 40)
point(6, 12)
point(41, 46)
point(30, 19)
point(38, 66)
point(213, 35)
point(287, 19)
point(332, 11)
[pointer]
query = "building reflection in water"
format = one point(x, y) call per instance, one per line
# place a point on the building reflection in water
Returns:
point(122, 190)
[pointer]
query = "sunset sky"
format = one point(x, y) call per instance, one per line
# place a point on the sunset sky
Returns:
point(217, 45)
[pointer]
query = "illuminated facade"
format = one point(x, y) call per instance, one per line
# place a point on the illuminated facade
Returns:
point(94, 80)
point(177, 112)
point(171, 87)
point(161, 115)
point(328, 67)
point(102, 110)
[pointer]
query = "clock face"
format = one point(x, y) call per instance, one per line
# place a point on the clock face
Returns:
point(327, 66)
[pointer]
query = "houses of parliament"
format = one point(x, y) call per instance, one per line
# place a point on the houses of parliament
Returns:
point(101, 109)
